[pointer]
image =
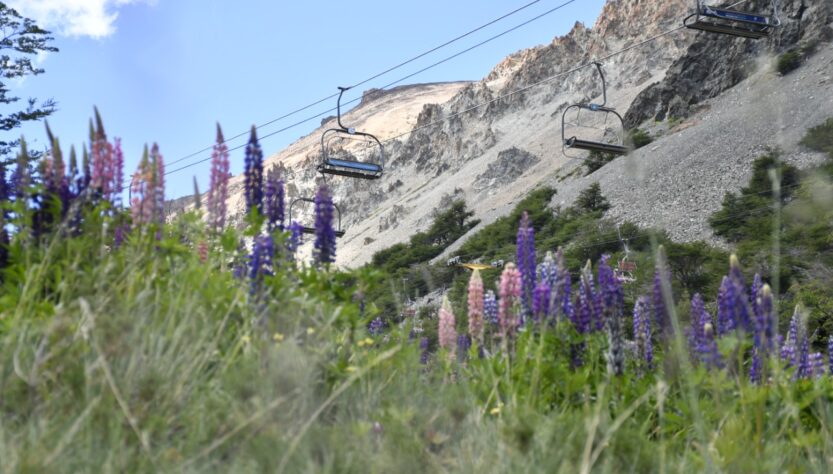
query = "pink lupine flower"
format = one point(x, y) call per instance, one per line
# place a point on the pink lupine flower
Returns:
point(510, 293)
point(447, 331)
point(147, 189)
point(101, 155)
point(159, 185)
point(218, 190)
point(118, 171)
point(475, 300)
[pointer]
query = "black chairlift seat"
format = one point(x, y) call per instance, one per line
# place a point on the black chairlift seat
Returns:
point(732, 22)
point(349, 168)
point(311, 230)
point(592, 145)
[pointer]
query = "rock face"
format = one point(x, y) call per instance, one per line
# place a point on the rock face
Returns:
point(490, 142)
point(510, 164)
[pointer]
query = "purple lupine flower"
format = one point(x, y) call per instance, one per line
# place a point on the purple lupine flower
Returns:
point(463, 346)
point(218, 187)
point(260, 260)
point(275, 202)
point(830, 354)
point(547, 269)
point(789, 349)
point(490, 307)
point(765, 321)
point(703, 346)
point(526, 265)
point(755, 292)
point(561, 294)
point(613, 299)
point(817, 364)
point(541, 302)
point(86, 178)
point(642, 330)
point(325, 234)
point(159, 185)
point(423, 347)
point(660, 309)
point(755, 367)
point(118, 172)
point(740, 303)
point(376, 326)
point(726, 320)
point(583, 313)
point(805, 369)
point(254, 174)
point(296, 237)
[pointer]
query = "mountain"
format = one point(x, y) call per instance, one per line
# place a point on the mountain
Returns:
point(713, 104)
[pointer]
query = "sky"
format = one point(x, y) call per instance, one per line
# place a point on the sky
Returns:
point(166, 71)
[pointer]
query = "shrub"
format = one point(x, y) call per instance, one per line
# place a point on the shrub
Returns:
point(639, 138)
point(820, 138)
point(596, 159)
point(592, 200)
point(788, 62)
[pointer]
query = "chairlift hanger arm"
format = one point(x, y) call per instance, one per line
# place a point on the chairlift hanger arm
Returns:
point(341, 92)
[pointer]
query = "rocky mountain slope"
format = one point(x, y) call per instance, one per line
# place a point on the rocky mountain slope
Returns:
point(731, 103)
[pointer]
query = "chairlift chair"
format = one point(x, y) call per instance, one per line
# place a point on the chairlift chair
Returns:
point(346, 164)
point(625, 270)
point(613, 137)
point(732, 22)
point(311, 230)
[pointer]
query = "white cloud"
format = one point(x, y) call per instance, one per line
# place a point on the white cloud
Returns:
point(93, 18)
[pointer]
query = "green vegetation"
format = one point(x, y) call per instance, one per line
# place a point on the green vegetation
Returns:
point(788, 62)
point(820, 138)
point(596, 160)
point(639, 138)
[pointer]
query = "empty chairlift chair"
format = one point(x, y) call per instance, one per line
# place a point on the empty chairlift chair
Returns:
point(732, 22)
point(600, 128)
point(338, 146)
point(311, 229)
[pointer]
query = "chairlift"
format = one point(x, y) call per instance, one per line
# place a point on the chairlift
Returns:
point(311, 230)
point(497, 263)
point(340, 161)
point(453, 261)
point(732, 22)
point(595, 120)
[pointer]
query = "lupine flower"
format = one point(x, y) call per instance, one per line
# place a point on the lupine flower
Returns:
point(591, 300)
point(197, 200)
point(475, 306)
point(510, 294)
point(296, 237)
point(755, 292)
point(583, 314)
point(490, 308)
point(218, 190)
point(21, 177)
point(325, 234)
point(147, 189)
point(561, 304)
point(275, 202)
point(612, 300)
point(548, 270)
point(642, 330)
point(118, 235)
point(755, 367)
point(702, 344)
point(765, 321)
point(726, 319)
point(118, 172)
point(740, 303)
point(789, 349)
point(376, 326)
point(662, 277)
point(101, 155)
point(202, 251)
point(447, 331)
point(159, 191)
point(526, 264)
point(423, 346)
point(817, 364)
point(463, 346)
point(805, 368)
point(541, 302)
point(254, 174)
point(260, 260)
point(87, 177)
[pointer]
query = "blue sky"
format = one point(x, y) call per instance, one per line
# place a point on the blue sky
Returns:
point(167, 70)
